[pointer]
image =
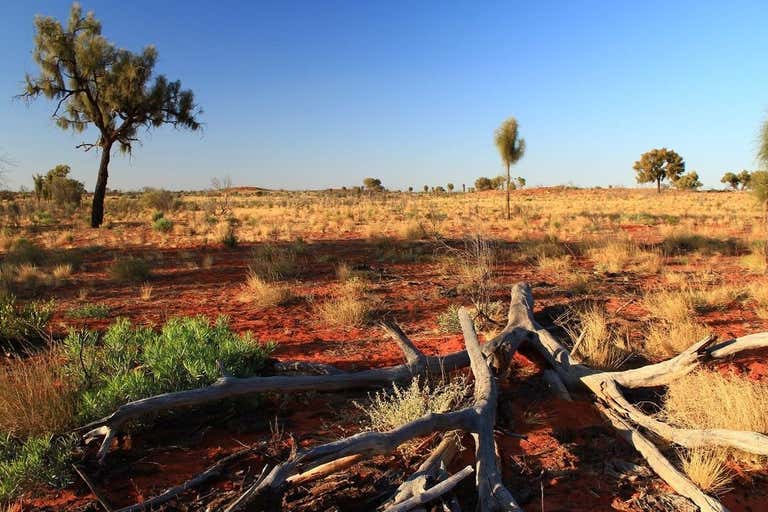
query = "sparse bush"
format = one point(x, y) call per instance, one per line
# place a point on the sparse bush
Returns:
point(685, 243)
point(672, 306)
point(448, 320)
point(23, 251)
point(390, 409)
point(612, 256)
point(159, 199)
point(130, 269)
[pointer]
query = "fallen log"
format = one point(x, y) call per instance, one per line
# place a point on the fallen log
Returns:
point(477, 419)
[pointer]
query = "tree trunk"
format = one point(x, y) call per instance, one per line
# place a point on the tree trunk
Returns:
point(658, 185)
point(97, 210)
point(509, 215)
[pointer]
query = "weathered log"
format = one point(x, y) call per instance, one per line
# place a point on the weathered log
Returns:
point(433, 492)
point(477, 419)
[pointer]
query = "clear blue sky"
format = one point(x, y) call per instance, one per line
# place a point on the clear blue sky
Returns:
point(317, 94)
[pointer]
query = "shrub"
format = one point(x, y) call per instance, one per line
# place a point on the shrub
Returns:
point(135, 362)
point(36, 461)
point(24, 251)
point(672, 306)
point(684, 243)
point(612, 256)
point(89, 311)
point(23, 323)
point(159, 199)
point(448, 320)
point(130, 269)
point(162, 224)
point(390, 409)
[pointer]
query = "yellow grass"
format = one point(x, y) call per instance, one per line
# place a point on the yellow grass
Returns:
point(35, 398)
point(612, 256)
point(669, 305)
point(665, 340)
point(706, 467)
point(263, 293)
point(708, 399)
point(598, 342)
point(350, 308)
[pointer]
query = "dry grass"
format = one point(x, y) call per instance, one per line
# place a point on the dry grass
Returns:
point(145, 291)
point(263, 293)
point(554, 264)
point(707, 399)
point(669, 305)
point(598, 341)
point(35, 398)
point(62, 271)
point(754, 262)
point(350, 308)
point(665, 340)
point(716, 297)
point(612, 256)
point(707, 469)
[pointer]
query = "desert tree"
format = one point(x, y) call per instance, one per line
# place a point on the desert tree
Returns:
point(426, 188)
point(731, 179)
point(688, 181)
point(521, 182)
point(511, 149)
point(657, 165)
point(96, 84)
point(450, 187)
point(483, 183)
point(373, 184)
point(745, 178)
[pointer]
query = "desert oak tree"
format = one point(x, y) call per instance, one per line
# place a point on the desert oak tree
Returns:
point(511, 149)
point(97, 84)
point(657, 165)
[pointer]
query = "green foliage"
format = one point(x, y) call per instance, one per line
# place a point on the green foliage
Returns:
point(450, 187)
point(688, 181)
point(56, 186)
point(657, 165)
point(162, 224)
point(90, 310)
point(23, 323)
point(39, 460)
point(521, 182)
point(133, 362)
point(130, 269)
point(745, 178)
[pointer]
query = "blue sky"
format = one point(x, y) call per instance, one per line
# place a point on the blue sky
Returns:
point(318, 94)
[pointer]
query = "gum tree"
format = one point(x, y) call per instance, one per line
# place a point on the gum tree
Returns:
point(657, 165)
point(731, 179)
point(511, 149)
point(96, 84)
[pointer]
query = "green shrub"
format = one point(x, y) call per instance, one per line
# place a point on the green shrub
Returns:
point(162, 224)
point(23, 323)
point(89, 311)
point(132, 362)
point(35, 461)
point(130, 269)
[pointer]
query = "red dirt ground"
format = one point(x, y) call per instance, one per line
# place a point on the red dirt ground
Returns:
point(562, 463)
